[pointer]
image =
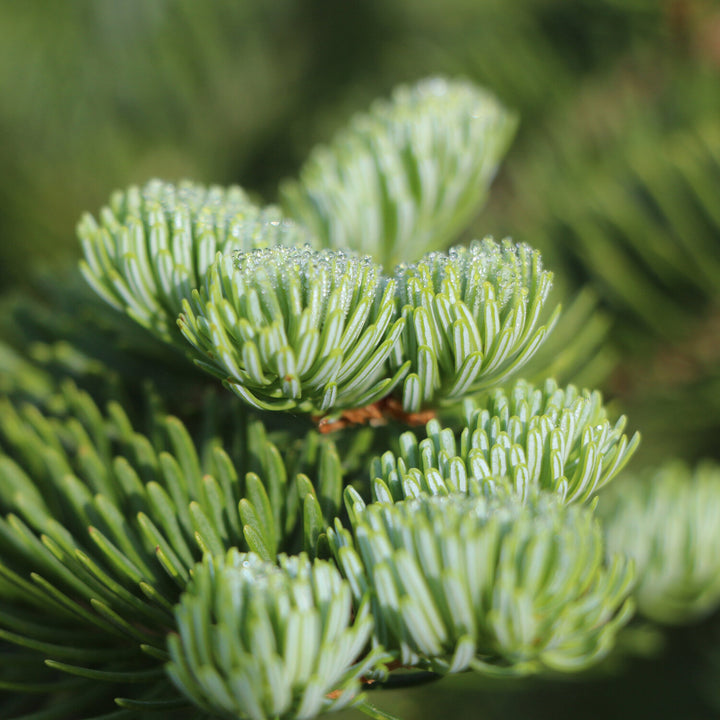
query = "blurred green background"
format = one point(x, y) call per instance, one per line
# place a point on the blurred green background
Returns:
point(614, 174)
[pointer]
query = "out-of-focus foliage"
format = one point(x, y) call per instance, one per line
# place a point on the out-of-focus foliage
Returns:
point(414, 185)
point(614, 176)
point(505, 588)
point(667, 520)
point(99, 94)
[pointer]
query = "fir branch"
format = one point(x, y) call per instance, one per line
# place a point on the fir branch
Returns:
point(542, 438)
point(666, 519)
point(486, 584)
point(324, 331)
point(406, 177)
point(471, 318)
point(261, 641)
point(153, 245)
point(292, 328)
point(102, 526)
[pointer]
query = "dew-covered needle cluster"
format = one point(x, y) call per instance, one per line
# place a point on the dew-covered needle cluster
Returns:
point(193, 540)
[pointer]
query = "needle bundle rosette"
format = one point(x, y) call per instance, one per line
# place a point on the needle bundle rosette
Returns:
point(152, 245)
point(291, 328)
point(262, 641)
point(487, 584)
point(471, 318)
point(546, 438)
point(406, 177)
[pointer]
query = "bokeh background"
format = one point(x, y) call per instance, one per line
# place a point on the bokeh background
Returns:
point(614, 174)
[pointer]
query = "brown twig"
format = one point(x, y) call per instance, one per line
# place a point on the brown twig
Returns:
point(375, 414)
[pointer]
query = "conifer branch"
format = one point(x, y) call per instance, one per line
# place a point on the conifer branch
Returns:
point(325, 331)
point(666, 519)
point(153, 245)
point(557, 440)
point(408, 176)
point(471, 318)
point(102, 526)
point(209, 564)
point(502, 587)
point(293, 328)
point(261, 641)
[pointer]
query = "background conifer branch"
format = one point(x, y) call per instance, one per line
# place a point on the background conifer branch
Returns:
point(395, 183)
point(183, 549)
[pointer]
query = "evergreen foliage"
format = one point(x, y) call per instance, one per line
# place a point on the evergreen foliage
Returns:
point(203, 561)
point(470, 318)
point(503, 587)
point(260, 640)
point(548, 438)
point(296, 328)
point(602, 207)
point(154, 244)
point(397, 183)
point(666, 519)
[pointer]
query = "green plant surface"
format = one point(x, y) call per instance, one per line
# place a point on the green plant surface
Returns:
point(505, 587)
point(102, 526)
point(260, 640)
point(294, 328)
point(666, 519)
point(169, 546)
point(471, 318)
point(558, 440)
point(154, 244)
point(395, 184)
